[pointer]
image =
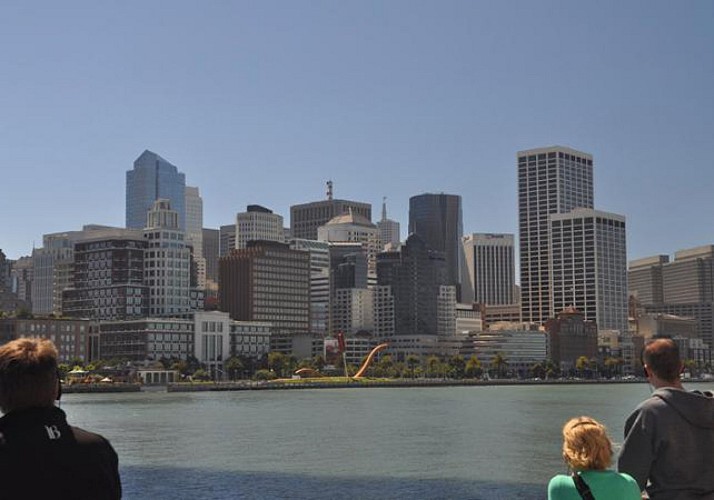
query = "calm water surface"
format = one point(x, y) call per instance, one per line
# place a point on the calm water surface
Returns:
point(445, 442)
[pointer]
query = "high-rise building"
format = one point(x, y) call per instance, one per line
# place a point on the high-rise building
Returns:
point(352, 228)
point(258, 224)
point(307, 217)
point(194, 231)
point(489, 273)
point(645, 277)
point(415, 274)
point(388, 229)
point(588, 266)
point(151, 179)
point(319, 252)
point(437, 219)
point(52, 267)
point(227, 239)
point(168, 266)
point(683, 287)
point(268, 282)
point(211, 253)
point(108, 278)
point(551, 180)
point(21, 277)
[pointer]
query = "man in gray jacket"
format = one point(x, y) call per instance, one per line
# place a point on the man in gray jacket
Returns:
point(669, 439)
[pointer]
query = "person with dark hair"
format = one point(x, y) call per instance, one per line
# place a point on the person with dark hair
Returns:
point(41, 455)
point(669, 439)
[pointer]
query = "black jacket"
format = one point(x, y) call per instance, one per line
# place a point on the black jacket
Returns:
point(41, 456)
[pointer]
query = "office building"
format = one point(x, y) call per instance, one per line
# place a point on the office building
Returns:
point(151, 179)
point(571, 336)
point(319, 252)
point(226, 239)
point(388, 229)
point(307, 217)
point(21, 280)
point(74, 338)
point(683, 287)
point(107, 280)
point(210, 241)
point(267, 282)
point(258, 224)
point(551, 180)
point(588, 266)
point(52, 267)
point(437, 219)
point(353, 228)
point(489, 272)
point(415, 274)
point(194, 232)
point(168, 267)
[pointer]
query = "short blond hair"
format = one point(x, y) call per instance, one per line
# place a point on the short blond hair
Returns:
point(586, 445)
point(28, 374)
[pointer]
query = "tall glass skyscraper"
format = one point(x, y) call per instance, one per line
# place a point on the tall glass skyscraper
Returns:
point(437, 219)
point(151, 179)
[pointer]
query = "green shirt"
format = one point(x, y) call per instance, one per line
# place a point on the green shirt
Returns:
point(604, 484)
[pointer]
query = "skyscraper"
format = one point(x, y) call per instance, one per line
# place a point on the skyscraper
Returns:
point(388, 228)
point(307, 217)
point(267, 281)
point(551, 180)
point(416, 274)
point(588, 266)
point(194, 231)
point(489, 274)
point(167, 267)
point(258, 224)
point(437, 219)
point(153, 178)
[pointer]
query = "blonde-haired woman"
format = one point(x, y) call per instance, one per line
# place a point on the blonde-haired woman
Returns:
point(587, 450)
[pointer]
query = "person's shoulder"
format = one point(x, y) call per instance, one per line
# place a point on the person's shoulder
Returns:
point(631, 484)
point(88, 438)
point(558, 485)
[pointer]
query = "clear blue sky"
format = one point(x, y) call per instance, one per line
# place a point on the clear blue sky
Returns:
point(263, 101)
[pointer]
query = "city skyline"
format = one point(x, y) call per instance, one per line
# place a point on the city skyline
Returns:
point(262, 104)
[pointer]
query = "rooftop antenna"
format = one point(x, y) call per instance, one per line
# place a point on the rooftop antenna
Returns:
point(329, 190)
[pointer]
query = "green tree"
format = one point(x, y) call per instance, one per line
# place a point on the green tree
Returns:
point(201, 374)
point(537, 370)
point(473, 367)
point(278, 362)
point(412, 362)
point(457, 366)
point(499, 363)
point(434, 367)
point(581, 364)
point(234, 366)
point(24, 313)
point(264, 374)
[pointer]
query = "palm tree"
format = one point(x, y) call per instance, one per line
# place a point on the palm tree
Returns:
point(473, 367)
point(499, 362)
point(412, 362)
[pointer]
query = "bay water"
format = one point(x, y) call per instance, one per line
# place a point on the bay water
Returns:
point(487, 442)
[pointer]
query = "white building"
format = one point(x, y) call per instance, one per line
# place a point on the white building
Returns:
point(319, 282)
point(258, 224)
point(353, 311)
point(520, 348)
point(354, 228)
point(167, 262)
point(551, 180)
point(388, 229)
point(489, 275)
point(588, 266)
point(446, 311)
point(194, 232)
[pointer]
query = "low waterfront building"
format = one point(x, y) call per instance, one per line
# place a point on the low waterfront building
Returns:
point(75, 339)
point(520, 349)
point(571, 336)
